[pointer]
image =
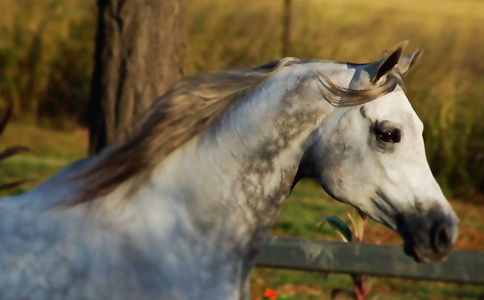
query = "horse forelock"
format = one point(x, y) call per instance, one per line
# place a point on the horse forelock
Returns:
point(343, 97)
point(190, 107)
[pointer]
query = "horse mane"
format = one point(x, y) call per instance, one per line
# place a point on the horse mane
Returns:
point(190, 107)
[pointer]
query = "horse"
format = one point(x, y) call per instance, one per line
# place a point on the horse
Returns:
point(181, 208)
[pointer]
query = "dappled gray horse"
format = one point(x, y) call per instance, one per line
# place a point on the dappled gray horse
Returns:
point(181, 209)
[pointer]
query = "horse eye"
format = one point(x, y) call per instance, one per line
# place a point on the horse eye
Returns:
point(388, 136)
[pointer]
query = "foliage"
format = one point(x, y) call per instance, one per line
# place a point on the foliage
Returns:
point(46, 55)
point(339, 226)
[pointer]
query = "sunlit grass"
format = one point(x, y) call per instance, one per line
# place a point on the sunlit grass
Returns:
point(50, 150)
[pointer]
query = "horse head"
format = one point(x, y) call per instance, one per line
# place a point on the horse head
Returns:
point(372, 157)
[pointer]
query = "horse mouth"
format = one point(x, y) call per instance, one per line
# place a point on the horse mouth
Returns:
point(428, 237)
point(422, 253)
point(410, 251)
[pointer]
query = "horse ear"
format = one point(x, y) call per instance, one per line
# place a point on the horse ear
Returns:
point(383, 66)
point(408, 61)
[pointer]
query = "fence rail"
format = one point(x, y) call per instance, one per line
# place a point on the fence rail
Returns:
point(368, 259)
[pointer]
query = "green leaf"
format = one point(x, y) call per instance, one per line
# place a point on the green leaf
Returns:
point(358, 220)
point(341, 227)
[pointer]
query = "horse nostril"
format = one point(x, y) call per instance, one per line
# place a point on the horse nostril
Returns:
point(441, 242)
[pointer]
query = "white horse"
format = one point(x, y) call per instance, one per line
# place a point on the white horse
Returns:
point(181, 209)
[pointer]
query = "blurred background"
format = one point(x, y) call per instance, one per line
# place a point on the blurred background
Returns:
point(46, 63)
point(46, 59)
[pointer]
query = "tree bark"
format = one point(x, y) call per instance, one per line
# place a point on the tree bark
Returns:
point(140, 52)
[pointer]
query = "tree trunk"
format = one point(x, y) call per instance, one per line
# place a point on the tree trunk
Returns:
point(140, 52)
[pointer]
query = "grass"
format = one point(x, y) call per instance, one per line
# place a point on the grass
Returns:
point(50, 151)
point(298, 285)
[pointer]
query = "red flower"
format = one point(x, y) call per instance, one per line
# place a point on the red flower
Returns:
point(255, 297)
point(270, 294)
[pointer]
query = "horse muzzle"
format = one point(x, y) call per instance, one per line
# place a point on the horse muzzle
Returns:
point(428, 237)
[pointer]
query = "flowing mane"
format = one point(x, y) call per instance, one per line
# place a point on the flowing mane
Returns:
point(190, 107)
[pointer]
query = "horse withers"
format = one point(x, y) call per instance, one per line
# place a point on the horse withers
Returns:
point(181, 209)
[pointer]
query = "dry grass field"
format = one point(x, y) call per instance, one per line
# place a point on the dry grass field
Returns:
point(46, 50)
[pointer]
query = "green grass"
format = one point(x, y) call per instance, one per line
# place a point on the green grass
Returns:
point(306, 206)
point(50, 151)
point(299, 285)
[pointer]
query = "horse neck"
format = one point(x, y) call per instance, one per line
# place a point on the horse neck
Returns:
point(232, 180)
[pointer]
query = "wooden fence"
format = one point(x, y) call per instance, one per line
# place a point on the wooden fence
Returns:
point(368, 259)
